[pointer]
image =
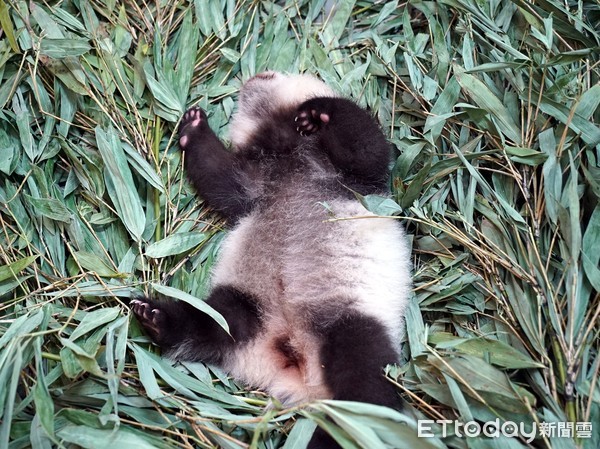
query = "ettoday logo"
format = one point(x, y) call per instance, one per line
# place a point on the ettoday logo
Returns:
point(495, 429)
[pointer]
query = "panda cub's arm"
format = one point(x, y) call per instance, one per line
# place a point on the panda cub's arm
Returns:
point(351, 138)
point(217, 174)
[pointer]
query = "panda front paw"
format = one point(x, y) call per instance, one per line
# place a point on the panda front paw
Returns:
point(192, 123)
point(312, 116)
point(151, 317)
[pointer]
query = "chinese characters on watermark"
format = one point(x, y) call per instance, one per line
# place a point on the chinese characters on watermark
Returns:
point(494, 429)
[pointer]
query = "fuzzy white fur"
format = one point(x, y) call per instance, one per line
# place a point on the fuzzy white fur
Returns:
point(283, 90)
point(314, 264)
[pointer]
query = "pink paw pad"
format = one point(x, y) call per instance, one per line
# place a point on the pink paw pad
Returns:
point(190, 122)
point(309, 122)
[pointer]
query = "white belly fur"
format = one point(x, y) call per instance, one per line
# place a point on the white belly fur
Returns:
point(313, 262)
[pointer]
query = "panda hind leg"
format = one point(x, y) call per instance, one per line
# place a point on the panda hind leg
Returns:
point(354, 351)
point(187, 334)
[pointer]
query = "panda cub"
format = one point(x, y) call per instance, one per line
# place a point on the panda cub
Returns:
point(312, 285)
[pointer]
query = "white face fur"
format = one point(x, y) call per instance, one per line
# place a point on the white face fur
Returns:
point(267, 92)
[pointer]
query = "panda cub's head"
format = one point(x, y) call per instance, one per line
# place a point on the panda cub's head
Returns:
point(263, 95)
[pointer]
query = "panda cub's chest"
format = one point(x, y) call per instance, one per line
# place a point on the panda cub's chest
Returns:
point(270, 251)
point(305, 255)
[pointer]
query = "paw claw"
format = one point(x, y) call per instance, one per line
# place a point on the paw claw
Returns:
point(312, 117)
point(191, 122)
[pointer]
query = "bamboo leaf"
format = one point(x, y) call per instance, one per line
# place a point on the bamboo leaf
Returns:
point(175, 244)
point(89, 438)
point(119, 182)
point(485, 99)
point(11, 270)
point(197, 303)
point(7, 26)
point(62, 48)
point(94, 319)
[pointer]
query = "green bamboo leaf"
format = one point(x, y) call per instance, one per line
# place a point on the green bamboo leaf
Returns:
point(231, 55)
point(21, 326)
point(93, 320)
point(7, 26)
point(341, 15)
point(9, 147)
point(175, 244)
point(588, 102)
point(38, 435)
point(171, 107)
point(146, 373)
point(203, 19)
point(502, 202)
point(526, 155)
point(94, 288)
point(300, 435)
point(49, 26)
point(188, 49)
point(61, 48)
point(197, 303)
point(491, 384)
point(69, 20)
point(50, 208)
point(485, 99)
point(143, 168)
point(458, 398)
point(22, 119)
point(415, 329)
point(379, 205)
point(10, 372)
point(184, 384)
point(81, 359)
point(442, 110)
point(95, 264)
point(591, 249)
point(119, 182)
point(379, 425)
point(415, 187)
point(553, 179)
point(590, 132)
point(499, 353)
point(362, 433)
point(11, 270)
point(90, 438)
point(44, 404)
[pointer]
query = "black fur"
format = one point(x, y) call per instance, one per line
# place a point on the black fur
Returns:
point(178, 326)
point(355, 349)
point(351, 140)
point(217, 174)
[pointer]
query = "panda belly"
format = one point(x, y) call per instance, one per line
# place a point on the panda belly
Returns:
point(314, 268)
